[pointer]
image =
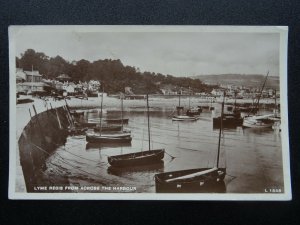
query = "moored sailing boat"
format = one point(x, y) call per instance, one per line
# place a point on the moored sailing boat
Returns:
point(194, 180)
point(231, 119)
point(107, 137)
point(191, 114)
point(117, 121)
point(138, 158)
point(195, 111)
point(184, 118)
point(258, 121)
point(261, 121)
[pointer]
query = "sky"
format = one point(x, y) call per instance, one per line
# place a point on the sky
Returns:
point(175, 53)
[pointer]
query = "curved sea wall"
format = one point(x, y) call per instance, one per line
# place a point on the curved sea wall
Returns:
point(40, 137)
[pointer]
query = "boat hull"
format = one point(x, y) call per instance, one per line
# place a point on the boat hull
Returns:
point(194, 112)
point(137, 158)
point(85, 124)
point(116, 121)
point(184, 118)
point(77, 114)
point(212, 182)
point(108, 128)
point(227, 122)
point(108, 139)
point(253, 123)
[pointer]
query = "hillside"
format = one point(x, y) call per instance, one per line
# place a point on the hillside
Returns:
point(247, 80)
point(113, 75)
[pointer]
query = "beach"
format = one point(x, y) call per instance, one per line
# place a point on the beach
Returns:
point(169, 102)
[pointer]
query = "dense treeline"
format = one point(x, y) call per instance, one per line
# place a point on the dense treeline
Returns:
point(112, 73)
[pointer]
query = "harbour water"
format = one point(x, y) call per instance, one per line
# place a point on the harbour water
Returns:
point(253, 157)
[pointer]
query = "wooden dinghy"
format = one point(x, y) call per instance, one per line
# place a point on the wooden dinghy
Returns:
point(137, 158)
point(184, 118)
point(111, 138)
point(194, 180)
point(117, 121)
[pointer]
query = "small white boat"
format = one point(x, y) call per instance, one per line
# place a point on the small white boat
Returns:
point(184, 118)
point(262, 121)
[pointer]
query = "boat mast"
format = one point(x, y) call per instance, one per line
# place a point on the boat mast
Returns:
point(260, 94)
point(179, 97)
point(121, 96)
point(178, 107)
point(148, 122)
point(220, 131)
point(31, 78)
point(101, 110)
point(189, 97)
point(276, 109)
point(235, 94)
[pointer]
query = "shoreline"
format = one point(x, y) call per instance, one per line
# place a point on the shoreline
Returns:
point(155, 102)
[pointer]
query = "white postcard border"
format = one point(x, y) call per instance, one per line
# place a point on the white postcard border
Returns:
point(282, 30)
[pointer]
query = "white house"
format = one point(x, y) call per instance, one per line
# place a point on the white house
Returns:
point(20, 75)
point(33, 76)
point(30, 87)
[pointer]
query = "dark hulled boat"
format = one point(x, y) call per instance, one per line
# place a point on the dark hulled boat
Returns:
point(194, 180)
point(96, 127)
point(77, 113)
point(109, 128)
point(117, 121)
point(138, 158)
point(230, 120)
point(95, 138)
point(194, 111)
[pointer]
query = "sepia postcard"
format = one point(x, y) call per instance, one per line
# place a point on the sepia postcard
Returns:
point(149, 113)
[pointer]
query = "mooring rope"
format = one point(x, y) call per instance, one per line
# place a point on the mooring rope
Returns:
point(173, 157)
point(172, 113)
point(79, 156)
point(74, 154)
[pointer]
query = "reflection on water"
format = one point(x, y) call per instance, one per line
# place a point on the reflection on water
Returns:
point(251, 156)
point(98, 146)
point(119, 171)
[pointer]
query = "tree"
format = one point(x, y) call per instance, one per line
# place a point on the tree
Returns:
point(33, 60)
point(111, 73)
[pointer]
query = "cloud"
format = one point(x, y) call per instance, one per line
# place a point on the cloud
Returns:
point(176, 53)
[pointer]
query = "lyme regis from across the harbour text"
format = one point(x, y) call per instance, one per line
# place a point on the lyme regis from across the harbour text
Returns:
point(149, 113)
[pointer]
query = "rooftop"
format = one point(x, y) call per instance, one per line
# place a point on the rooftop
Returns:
point(33, 73)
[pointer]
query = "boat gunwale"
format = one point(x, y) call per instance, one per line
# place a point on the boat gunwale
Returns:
point(154, 152)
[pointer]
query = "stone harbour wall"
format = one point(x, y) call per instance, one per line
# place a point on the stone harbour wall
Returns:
point(40, 137)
